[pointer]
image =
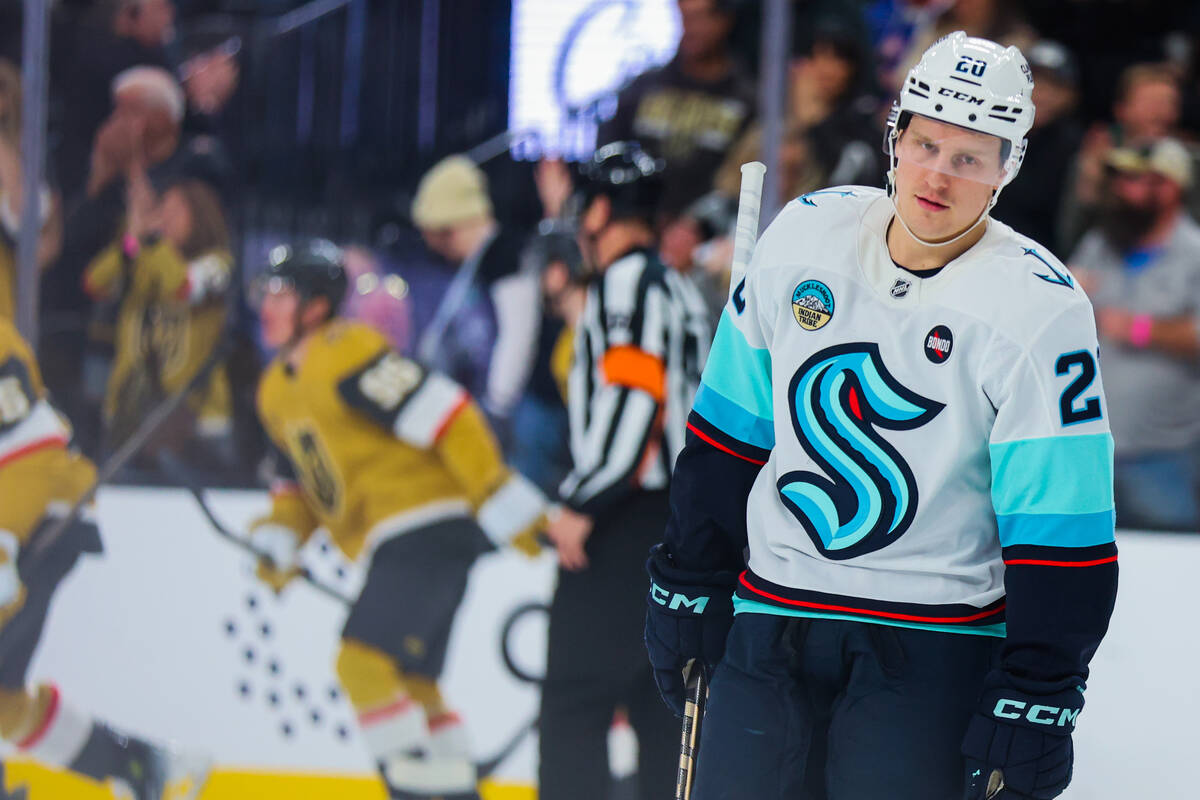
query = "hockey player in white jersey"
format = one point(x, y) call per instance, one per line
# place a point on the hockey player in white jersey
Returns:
point(902, 420)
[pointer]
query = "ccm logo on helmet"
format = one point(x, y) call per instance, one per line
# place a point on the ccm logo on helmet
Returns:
point(1037, 714)
point(675, 600)
point(966, 98)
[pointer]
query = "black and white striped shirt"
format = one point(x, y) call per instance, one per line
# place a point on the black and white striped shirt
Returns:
point(640, 346)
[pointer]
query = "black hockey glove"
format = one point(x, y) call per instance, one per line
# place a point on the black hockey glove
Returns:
point(688, 618)
point(1027, 737)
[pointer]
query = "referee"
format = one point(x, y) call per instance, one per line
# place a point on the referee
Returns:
point(639, 349)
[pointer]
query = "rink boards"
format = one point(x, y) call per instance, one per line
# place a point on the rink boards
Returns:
point(169, 636)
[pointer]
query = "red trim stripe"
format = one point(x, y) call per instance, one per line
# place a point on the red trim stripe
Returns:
point(463, 399)
point(42, 729)
point(865, 612)
point(444, 720)
point(57, 440)
point(1039, 563)
point(722, 447)
point(393, 709)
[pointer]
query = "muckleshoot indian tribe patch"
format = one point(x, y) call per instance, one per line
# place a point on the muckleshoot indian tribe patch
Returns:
point(812, 305)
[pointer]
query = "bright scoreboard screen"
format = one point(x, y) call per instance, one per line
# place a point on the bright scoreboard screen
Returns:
point(569, 58)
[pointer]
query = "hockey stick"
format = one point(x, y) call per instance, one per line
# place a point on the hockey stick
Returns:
point(744, 238)
point(693, 718)
point(995, 785)
point(486, 767)
point(131, 446)
point(745, 233)
point(174, 467)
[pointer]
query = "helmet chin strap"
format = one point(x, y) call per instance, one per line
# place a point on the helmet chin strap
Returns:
point(891, 178)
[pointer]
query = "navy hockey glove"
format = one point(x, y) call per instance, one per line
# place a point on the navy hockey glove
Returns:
point(1027, 737)
point(688, 617)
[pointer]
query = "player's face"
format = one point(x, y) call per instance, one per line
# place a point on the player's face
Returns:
point(277, 315)
point(945, 176)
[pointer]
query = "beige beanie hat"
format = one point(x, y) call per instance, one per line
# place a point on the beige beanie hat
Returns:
point(454, 191)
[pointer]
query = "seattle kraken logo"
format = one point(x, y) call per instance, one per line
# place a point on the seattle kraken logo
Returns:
point(838, 398)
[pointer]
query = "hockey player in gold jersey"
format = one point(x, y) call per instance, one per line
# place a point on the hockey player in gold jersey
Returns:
point(41, 478)
point(399, 465)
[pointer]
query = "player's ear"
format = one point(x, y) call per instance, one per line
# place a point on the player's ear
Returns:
point(316, 311)
point(598, 214)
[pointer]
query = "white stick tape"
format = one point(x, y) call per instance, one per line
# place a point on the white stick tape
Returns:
point(746, 232)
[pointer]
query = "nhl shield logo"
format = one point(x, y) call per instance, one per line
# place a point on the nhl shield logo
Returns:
point(812, 305)
point(900, 288)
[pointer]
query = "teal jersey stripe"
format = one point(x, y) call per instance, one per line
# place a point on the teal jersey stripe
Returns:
point(1057, 530)
point(1054, 475)
point(739, 372)
point(742, 605)
point(734, 420)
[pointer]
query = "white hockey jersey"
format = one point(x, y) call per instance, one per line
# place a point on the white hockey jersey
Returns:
point(916, 433)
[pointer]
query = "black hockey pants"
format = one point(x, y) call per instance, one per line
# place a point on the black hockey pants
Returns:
point(596, 662)
point(814, 709)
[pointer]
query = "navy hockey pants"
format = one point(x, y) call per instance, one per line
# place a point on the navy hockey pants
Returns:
point(813, 709)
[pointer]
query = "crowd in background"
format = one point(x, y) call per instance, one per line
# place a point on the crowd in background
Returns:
point(147, 238)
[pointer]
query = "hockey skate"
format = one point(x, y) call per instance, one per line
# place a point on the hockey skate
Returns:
point(424, 777)
point(161, 773)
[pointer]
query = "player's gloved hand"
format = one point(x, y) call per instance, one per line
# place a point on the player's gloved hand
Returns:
point(1024, 735)
point(514, 514)
point(12, 591)
point(279, 554)
point(688, 617)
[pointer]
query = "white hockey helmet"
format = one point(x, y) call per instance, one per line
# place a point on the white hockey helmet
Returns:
point(973, 83)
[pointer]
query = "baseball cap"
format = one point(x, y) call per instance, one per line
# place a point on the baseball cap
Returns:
point(1166, 157)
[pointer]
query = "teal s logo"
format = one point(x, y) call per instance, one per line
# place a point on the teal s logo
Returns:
point(838, 399)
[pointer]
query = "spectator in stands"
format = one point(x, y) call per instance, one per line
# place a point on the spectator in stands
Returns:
point(894, 24)
point(690, 111)
point(1147, 106)
point(211, 76)
point(998, 20)
point(377, 297)
point(453, 211)
point(699, 245)
point(12, 200)
point(1141, 267)
point(1031, 203)
point(170, 274)
point(142, 134)
point(831, 137)
point(540, 425)
point(118, 35)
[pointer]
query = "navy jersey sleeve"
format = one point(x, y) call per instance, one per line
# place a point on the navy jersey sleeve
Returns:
point(1052, 492)
point(730, 436)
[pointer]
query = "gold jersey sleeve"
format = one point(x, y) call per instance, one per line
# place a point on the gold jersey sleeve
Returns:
point(377, 444)
point(36, 466)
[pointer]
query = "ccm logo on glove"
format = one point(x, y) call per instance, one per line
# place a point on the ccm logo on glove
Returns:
point(677, 600)
point(1037, 714)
